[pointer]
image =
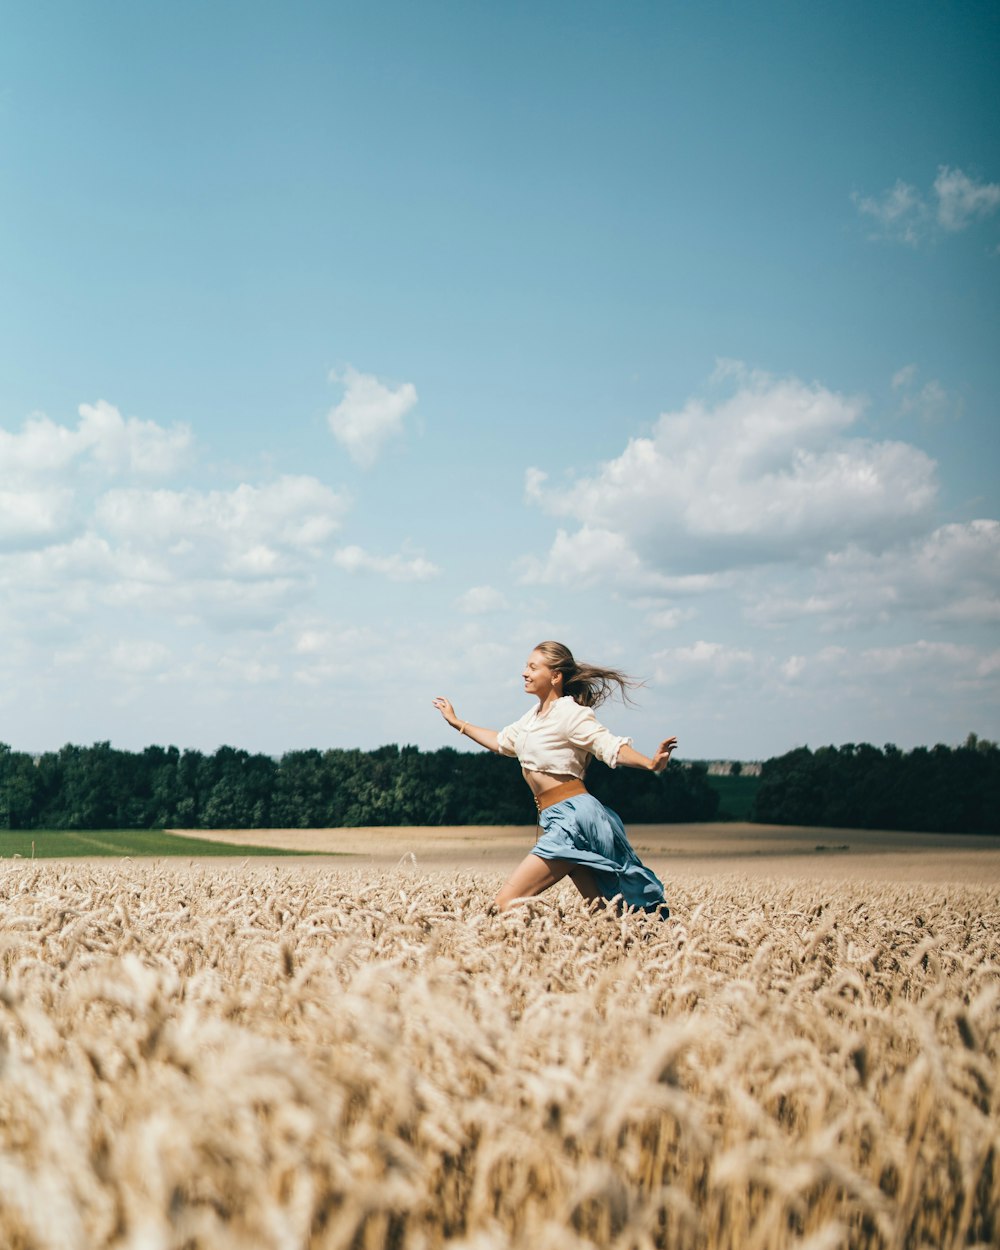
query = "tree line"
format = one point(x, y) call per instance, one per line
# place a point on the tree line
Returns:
point(937, 789)
point(100, 787)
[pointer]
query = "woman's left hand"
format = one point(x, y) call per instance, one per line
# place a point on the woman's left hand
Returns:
point(661, 757)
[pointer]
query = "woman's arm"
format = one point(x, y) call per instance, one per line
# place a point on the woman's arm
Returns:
point(485, 737)
point(635, 759)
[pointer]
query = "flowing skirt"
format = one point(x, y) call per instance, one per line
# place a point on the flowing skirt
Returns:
point(581, 830)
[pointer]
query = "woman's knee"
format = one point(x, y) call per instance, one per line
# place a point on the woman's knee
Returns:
point(530, 878)
point(501, 904)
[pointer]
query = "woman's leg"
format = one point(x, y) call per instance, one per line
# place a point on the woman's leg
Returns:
point(586, 883)
point(532, 875)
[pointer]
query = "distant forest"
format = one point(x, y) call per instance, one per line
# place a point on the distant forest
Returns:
point(939, 789)
point(98, 787)
point(933, 789)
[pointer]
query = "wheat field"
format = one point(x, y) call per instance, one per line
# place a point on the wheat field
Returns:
point(259, 1056)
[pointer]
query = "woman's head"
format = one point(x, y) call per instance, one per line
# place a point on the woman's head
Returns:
point(586, 683)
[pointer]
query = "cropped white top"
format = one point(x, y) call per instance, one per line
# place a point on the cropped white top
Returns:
point(561, 741)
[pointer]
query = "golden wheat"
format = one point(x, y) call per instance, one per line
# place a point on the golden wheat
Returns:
point(268, 1057)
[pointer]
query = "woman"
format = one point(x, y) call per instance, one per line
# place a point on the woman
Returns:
point(580, 838)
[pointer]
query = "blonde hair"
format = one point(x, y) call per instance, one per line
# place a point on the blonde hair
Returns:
point(586, 683)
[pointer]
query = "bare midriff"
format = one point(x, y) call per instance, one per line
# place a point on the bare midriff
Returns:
point(540, 782)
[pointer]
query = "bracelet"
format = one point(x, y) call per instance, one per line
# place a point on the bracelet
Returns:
point(461, 728)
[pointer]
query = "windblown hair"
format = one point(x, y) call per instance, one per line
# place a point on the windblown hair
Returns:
point(586, 683)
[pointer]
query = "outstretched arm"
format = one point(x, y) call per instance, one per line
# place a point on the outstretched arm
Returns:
point(635, 759)
point(485, 737)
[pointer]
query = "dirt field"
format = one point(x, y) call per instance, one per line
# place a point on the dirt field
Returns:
point(673, 851)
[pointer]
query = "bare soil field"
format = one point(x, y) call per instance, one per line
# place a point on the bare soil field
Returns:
point(785, 851)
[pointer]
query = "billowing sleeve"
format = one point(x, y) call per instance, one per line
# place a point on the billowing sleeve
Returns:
point(584, 730)
point(509, 738)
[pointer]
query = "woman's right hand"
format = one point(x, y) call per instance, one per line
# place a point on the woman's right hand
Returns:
point(447, 711)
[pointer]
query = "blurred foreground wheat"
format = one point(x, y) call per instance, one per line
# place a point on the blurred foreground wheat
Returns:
point(261, 1056)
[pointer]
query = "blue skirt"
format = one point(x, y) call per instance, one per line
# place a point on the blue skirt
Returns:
point(581, 830)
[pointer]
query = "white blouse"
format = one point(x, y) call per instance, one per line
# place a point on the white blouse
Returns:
point(562, 741)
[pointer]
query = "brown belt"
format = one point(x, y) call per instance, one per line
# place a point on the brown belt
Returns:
point(565, 790)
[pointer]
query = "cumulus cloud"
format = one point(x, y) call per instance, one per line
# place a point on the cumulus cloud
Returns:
point(899, 213)
point(703, 659)
point(102, 438)
point(328, 650)
point(481, 600)
point(929, 400)
point(769, 474)
point(250, 531)
point(29, 518)
point(586, 558)
point(369, 415)
point(933, 674)
point(918, 691)
point(960, 199)
point(43, 465)
point(231, 557)
point(139, 656)
point(949, 575)
point(397, 567)
point(906, 215)
point(661, 618)
point(84, 531)
point(129, 445)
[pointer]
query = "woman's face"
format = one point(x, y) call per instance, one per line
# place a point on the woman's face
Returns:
point(539, 679)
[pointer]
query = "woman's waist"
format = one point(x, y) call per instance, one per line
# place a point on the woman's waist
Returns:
point(564, 788)
point(540, 778)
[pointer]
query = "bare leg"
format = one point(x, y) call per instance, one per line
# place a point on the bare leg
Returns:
point(532, 875)
point(585, 882)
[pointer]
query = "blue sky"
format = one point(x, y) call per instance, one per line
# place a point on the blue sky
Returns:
point(346, 351)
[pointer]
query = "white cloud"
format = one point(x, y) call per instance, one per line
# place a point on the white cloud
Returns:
point(899, 213)
point(669, 618)
point(961, 199)
point(589, 557)
point(248, 531)
point(396, 567)
point(369, 415)
point(949, 575)
point(44, 466)
point(586, 558)
point(232, 558)
point(326, 650)
point(904, 214)
point(923, 671)
point(913, 692)
point(102, 438)
point(930, 401)
point(768, 475)
point(793, 667)
point(481, 600)
point(73, 545)
point(137, 656)
point(129, 445)
point(703, 660)
point(29, 518)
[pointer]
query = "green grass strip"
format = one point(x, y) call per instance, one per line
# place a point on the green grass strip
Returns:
point(736, 795)
point(68, 844)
